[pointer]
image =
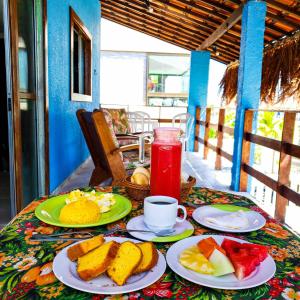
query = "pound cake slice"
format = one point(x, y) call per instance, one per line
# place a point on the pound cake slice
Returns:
point(150, 257)
point(97, 261)
point(84, 247)
point(128, 257)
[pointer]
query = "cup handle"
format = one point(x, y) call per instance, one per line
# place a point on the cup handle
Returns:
point(180, 220)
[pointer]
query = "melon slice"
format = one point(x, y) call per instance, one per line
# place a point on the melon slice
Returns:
point(208, 245)
point(244, 257)
point(221, 263)
point(192, 259)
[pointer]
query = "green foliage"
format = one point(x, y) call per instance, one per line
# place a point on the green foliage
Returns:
point(230, 119)
point(268, 125)
point(212, 133)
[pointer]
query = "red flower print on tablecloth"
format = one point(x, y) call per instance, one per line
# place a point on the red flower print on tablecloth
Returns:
point(160, 289)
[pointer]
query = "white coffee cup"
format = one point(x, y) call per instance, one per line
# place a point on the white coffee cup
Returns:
point(160, 212)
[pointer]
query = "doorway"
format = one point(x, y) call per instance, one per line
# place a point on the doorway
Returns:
point(5, 207)
point(22, 101)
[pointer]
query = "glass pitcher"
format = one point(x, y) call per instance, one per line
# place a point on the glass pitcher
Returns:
point(166, 162)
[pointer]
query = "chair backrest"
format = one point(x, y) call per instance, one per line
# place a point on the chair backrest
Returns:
point(94, 144)
point(111, 154)
point(185, 123)
point(119, 120)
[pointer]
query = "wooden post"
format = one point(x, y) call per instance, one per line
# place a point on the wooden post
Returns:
point(284, 164)
point(218, 164)
point(206, 133)
point(197, 128)
point(246, 147)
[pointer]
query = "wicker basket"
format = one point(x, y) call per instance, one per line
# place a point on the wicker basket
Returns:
point(140, 192)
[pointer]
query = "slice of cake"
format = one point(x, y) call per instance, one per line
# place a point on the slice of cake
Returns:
point(150, 257)
point(84, 247)
point(128, 257)
point(97, 261)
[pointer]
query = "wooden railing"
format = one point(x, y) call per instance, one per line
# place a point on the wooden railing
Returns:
point(220, 129)
point(285, 147)
point(287, 150)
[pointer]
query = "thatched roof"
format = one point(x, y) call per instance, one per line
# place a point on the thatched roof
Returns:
point(280, 73)
point(188, 23)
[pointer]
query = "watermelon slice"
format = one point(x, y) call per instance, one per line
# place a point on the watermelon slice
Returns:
point(244, 257)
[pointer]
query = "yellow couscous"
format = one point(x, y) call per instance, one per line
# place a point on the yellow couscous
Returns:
point(80, 212)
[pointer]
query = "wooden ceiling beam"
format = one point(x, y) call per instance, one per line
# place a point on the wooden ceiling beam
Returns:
point(140, 15)
point(208, 12)
point(281, 9)
point(145, 22)
point(144, 30)
point(233, 34)
point(294, 12)
point(157, 25)
point(182, 20)
point(282, 20)
point(275, 17)
point(210, 24)
point(158, 20)
point(224, 27)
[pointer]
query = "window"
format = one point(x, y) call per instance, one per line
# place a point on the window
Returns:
point(81, 60)
point(168, 80)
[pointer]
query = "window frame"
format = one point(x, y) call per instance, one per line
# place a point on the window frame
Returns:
point(162, 94)
point(76, 23)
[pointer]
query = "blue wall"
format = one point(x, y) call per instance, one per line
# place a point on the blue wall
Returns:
point(199, 69)
point(67, 148)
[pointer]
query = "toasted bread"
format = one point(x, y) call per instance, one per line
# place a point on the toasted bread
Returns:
point(74, 252)
point(127, 259)
point(97, 261)
point(150, 257)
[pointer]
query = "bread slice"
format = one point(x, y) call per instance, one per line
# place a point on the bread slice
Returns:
point(128, 257)
point(84, 247)
point(150, 257)
point(97, 261)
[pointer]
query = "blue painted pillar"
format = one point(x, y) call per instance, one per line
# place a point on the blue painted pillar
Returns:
point(199, 69)
point(249, 76)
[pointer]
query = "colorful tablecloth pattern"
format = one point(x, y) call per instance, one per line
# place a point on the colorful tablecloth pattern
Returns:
point(26, 266)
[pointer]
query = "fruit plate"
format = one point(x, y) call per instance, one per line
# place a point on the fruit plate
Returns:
point(182, 231)
point(262, 274)
point(49, 210)
point(65, 271)
point(256, 220)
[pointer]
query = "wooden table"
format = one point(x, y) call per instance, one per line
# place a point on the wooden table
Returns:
point(23, 262)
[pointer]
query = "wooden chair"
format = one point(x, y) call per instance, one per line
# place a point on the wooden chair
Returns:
point(101, 171)
point(103, 147)
point(112, 152)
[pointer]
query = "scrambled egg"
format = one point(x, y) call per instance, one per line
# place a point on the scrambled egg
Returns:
point(105, 201)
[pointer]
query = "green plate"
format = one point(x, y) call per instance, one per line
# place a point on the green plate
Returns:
point(49, 211)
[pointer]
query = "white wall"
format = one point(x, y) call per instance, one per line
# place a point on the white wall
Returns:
point(121, 38)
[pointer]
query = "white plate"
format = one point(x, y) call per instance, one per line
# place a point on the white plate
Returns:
point(262, 274)
point(182, 230)
point(65, 271)
point(256, 220)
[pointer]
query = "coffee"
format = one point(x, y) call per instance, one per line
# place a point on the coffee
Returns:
point(160, 212)
point(161, 203)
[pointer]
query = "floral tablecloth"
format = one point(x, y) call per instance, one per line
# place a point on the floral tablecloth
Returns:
point(26, 266)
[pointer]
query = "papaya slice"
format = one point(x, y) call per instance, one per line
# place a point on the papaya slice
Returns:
point(207, 247)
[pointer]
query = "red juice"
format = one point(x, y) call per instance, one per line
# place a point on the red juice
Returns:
point(166, 163)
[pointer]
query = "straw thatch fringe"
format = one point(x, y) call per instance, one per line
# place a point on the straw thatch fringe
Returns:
point(280, 73)
point(228, 84)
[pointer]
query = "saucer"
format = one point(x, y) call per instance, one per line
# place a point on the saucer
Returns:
point(182, 230)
